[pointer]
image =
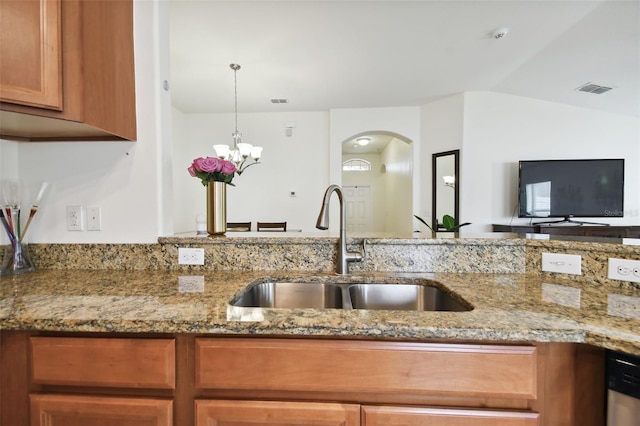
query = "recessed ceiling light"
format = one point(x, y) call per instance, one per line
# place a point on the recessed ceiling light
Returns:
point(363, 141)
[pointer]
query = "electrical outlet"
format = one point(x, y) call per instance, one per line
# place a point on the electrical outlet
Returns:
point(74, 218)
point(190, 256)
point(562, 263)
point(624, 270)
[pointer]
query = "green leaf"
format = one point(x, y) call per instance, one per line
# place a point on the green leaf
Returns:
point(448, 222)
point(423, 221)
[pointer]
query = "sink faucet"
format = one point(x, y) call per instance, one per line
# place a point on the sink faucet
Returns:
point(344, 257)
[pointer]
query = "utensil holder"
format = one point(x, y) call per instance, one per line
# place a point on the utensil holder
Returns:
point(16, 259)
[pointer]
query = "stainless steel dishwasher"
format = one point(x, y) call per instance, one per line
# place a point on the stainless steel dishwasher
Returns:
point(623, 393)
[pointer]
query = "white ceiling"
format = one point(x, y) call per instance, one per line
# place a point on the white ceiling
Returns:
point(322, 55)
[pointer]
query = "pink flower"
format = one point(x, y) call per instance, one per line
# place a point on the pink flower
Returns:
point(212, 169)
point(208, 164)
point(228, 168)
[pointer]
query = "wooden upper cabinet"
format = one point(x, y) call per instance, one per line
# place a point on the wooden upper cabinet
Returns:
point(31, 52)
point(67, 70)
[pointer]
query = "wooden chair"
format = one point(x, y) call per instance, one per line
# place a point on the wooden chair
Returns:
point(272, 226)
point(239, 226)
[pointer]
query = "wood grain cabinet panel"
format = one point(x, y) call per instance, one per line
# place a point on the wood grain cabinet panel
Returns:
point(76, 410)
point(237, 413)
point(67, 70)
point(103, 362)
point(31, 52)
point(487, 371)
point(416, 416)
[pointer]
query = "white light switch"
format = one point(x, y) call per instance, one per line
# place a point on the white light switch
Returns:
point(562, 263)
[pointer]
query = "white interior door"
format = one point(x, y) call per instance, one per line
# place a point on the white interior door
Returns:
point(358, 202)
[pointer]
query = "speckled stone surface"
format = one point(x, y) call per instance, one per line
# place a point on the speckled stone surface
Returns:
point(506, 307)
point(140, 288)
point(277, 251)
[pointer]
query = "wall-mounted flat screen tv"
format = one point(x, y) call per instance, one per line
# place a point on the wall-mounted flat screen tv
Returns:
point(571, 188)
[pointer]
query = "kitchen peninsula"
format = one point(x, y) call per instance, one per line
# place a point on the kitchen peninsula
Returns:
point(136, 331)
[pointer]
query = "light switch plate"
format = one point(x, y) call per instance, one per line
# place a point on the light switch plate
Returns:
point(562, 263)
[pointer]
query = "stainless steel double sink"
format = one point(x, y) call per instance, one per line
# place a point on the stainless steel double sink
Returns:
point(374, 296)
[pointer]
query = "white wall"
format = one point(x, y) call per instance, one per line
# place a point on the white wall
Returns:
point(8, 170)
point(297, 163)
point(500, 130)
point(125, 179)
point(398, 161)
point(441, 130)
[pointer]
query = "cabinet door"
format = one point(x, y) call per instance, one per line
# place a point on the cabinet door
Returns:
point(235, 413)
point(73, 410)
point(413, 416)
point(31, 52)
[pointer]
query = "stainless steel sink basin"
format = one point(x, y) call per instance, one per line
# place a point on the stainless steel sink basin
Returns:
point(291, 295)
point(403, 297)
point(373, 296)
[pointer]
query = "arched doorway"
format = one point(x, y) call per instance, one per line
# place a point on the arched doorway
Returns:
point(377, 179)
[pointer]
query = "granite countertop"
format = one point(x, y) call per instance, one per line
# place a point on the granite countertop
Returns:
point(507, 307)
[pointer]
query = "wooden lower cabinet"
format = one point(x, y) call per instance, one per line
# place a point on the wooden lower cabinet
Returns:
point(77, 410)
point(184, 379)
point(235, 413)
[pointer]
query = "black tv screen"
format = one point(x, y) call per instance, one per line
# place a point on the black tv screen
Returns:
point(571, 188)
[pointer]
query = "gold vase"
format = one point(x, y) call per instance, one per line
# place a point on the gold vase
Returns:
point(216, 208)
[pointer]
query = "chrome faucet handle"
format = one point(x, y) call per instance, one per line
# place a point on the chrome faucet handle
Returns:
point(358, 256)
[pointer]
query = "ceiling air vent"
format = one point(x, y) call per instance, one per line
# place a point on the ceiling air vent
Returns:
point(279, 101)
point(593, 88)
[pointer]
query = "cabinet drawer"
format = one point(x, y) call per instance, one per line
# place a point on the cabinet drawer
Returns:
point(496, 371)
point(110, 362)
point(413, 416)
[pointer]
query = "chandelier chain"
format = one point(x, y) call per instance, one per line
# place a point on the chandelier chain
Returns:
point(235, 68)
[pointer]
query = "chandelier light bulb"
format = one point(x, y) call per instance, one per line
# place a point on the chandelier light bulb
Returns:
point(256, 152)
point(222, 151)
point(245, 149)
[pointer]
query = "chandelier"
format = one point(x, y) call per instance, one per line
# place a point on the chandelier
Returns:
point(241, 154)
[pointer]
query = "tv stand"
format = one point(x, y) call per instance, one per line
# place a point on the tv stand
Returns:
point(572, 229)
point(567, 219)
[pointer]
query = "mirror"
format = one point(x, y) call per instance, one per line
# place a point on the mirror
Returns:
point(445, 187)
